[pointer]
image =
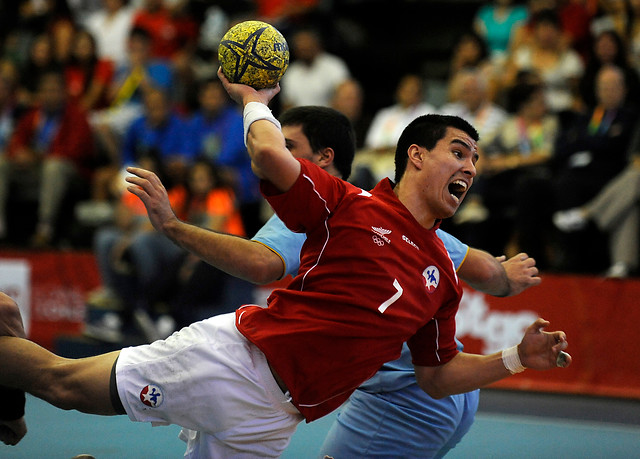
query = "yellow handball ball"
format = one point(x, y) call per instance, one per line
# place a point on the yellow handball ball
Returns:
point(253, 53)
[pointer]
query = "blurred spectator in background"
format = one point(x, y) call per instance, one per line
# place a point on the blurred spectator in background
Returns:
point(519, 155)
point(497, 22)
point(138, 74)
point(51, 152)
point(111, 26)
point(88, 77)
point(313, 73)
point(158, 134)
point(215, 132)
point(470, 53)
point(173, 32)
point(471, 101)
point(206, 201)
point(591, 151)
point(143, 270)
point(548, 54)
point(608, 48)
point(40, 60)
point(376, 160)
point(616, 211)
point(111, 244)
point(348, 99)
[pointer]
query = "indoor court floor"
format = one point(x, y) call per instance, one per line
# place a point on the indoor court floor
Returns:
point(509, 424)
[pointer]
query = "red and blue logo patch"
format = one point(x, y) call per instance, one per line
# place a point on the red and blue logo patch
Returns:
point(151, 395)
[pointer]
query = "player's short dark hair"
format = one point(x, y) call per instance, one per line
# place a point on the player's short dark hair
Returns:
point(325, 127)
point(426, 131)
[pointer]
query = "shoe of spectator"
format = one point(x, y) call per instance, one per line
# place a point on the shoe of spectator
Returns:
point(472, 212)
point(146, 325)
point(107, 328)
point(617, 270)
point(165, 325)
point(104, 298)
point(43, 237)
point(569, 220)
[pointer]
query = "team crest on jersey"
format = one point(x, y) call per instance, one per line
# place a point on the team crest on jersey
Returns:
point(380, 236)
point(151, 395)
point(431, 278)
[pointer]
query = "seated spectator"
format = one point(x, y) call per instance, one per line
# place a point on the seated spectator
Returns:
point(142, 268)
point(131, 79)
point(111, 26)
point(313, 73)
point(157, 134)
point(519, 154)
point(39, 60)
point(385, 129)
point(51, 152)
point(208, 202)
point(608, 48)
point(173, 32)
point(348, 99)
point(548, 54)
point(497, 23)
point(589, 153)
point(471, 101)
point(470, 52)
point(215, 132)
point(615, 211)
point(88, 77)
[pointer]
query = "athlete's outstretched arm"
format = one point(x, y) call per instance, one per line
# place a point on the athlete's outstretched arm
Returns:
point(270, 158)
point(234, 255)
point(538, 350)
point(498, 276)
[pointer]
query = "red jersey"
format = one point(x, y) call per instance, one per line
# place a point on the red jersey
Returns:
point(371, 278)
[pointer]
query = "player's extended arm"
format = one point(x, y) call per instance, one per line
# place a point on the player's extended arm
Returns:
point(270, 159)
point(465, 372)
point(497, 276)
point(234, 255)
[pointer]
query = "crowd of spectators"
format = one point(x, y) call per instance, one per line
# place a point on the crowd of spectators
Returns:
point(88, 88)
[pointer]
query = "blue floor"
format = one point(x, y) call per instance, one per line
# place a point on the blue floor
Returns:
point(56, 434)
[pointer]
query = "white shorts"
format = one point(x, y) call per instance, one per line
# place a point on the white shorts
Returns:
point(209, 379)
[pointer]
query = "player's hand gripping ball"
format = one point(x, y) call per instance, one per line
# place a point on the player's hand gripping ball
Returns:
point(253, 53)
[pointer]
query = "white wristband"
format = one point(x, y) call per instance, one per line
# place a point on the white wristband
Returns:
point(253, 112)
point(511, 360)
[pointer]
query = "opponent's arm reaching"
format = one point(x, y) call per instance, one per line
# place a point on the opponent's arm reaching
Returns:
point(499, 276)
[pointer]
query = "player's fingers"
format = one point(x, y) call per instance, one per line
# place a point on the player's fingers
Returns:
point(539, 325)
point(501, 258)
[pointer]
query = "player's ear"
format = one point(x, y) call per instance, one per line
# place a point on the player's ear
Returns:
point(326, 156)
point(416, 155)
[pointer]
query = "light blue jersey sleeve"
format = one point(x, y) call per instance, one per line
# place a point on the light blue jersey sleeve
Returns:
point(457, 250)
point(283, 242)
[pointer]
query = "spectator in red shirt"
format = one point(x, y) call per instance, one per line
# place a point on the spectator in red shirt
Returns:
point(88, 77)
point(52, 149)
point(173, 32)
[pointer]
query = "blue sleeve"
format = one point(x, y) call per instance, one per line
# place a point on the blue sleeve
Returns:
point(284, 242)
point(457, 250)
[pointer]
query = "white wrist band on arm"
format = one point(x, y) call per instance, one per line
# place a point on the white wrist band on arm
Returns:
point(255, 111)
point(511, 360)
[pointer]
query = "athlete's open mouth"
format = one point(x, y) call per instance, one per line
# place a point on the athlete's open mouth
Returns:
point(457, 188)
